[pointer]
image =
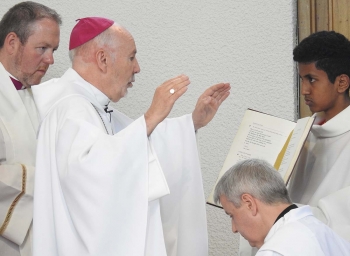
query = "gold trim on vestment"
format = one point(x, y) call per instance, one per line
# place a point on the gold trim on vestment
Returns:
point(10, 211)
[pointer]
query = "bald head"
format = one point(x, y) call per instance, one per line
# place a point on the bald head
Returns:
point(108, 61)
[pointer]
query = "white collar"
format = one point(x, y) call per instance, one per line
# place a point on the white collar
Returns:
point(336, 126)
point(292, 215)
point(100, 97)
point(10, 75)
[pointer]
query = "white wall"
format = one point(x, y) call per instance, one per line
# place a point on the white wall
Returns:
point(248, 43)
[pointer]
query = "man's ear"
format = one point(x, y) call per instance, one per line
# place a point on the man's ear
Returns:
point(102, 59)
point(343, 83)
point(12, 43)
point(249, 202)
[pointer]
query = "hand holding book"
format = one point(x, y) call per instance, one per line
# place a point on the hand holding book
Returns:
point(276, 140)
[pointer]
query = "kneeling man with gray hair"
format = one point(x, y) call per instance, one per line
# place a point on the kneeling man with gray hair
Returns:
point(253, 194)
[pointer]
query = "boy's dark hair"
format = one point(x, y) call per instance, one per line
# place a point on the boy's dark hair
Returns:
point(21, 18)
point(329, 50)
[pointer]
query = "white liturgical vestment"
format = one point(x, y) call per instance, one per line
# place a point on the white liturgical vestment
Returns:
point(321, 177)
point(18, 126)
point(102, 186)
point(299, 233)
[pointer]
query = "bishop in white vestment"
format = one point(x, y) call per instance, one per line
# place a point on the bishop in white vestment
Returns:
point(104, 184)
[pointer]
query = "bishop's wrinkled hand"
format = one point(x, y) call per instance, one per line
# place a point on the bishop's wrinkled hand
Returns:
point(164, 99)
point(208, 104)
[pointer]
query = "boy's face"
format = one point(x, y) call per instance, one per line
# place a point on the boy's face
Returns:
point(319, 93)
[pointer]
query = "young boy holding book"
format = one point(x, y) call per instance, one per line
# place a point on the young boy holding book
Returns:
point(321, 176)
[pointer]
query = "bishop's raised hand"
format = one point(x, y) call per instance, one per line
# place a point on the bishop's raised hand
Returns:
point(208, 104)
point(164, 99)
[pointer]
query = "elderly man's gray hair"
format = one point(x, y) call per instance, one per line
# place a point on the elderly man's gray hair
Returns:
point(255, 177)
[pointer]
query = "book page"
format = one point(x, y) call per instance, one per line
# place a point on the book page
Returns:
point(295, 145)
point(259, 136)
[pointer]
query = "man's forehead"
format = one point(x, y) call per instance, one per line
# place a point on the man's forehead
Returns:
point(126, 42)
point(42, 23)
point(46, 31)
point(225, 203)
point(306, 65)
point(123, 35)
point(306, 68)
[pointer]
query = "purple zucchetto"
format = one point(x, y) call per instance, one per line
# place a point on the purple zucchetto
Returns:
point(86, 29)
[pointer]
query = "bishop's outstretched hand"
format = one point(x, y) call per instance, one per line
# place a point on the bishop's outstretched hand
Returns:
point(164, 99)
point(208, 104)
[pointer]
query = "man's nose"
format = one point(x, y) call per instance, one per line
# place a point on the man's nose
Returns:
point(137, 67)
point(234, 229)
point(305, 88)
point(49, 58)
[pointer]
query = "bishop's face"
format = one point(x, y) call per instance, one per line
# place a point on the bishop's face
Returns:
point(33, 59)
point(123, 66)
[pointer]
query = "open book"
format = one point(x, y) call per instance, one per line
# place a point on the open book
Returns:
point(275, 140)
